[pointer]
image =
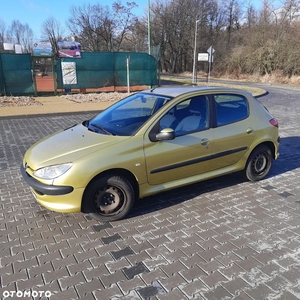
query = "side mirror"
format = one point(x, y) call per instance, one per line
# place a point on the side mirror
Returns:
point(166, 134)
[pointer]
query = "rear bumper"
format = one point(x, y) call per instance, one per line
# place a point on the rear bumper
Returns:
point(278, 145)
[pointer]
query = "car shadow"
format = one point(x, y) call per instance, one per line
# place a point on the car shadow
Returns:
point(180, 195)
point(288, 160)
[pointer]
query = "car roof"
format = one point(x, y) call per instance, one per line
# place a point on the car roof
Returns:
point(174, 91)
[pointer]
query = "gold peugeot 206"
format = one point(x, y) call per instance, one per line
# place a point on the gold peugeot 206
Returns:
point(150, 142)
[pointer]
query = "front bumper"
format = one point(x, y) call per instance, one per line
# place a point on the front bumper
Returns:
point(45, 189)
point(64, 199)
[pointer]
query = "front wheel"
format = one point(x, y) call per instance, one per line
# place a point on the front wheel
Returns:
point(109, 198)
point(259, 163)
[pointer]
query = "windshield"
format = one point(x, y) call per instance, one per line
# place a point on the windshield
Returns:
point(128, 115)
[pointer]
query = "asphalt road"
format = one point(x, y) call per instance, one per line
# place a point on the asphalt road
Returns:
point(220, 239)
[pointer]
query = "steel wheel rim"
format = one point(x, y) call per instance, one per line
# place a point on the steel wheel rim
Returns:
point(260, 163)
point(109, 200)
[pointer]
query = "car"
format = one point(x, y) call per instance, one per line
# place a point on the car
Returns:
point(149, 142)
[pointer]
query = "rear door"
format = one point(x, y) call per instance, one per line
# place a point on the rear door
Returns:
point(234, 129)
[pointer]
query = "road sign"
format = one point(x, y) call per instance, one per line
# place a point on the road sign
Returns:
point(211, 51)
point(202, 56)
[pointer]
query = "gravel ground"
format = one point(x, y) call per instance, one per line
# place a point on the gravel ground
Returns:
point(79, 98)
point(96, 97)
point(18, 101)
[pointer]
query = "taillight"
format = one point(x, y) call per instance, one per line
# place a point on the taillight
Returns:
point(274, 122)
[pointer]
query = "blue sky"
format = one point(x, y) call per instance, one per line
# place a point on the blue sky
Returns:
point(35, 12)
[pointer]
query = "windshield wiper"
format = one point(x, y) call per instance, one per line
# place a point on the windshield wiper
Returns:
point(102, 128)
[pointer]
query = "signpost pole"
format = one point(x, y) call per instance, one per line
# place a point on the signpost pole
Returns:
point(210, 51)
point(208, 76)
point(128, 74)
point(195, 49)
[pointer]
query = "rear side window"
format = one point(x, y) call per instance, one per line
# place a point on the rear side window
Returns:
point(230, 108)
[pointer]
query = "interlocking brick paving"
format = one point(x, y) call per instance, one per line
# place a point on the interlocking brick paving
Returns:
point(220, 239)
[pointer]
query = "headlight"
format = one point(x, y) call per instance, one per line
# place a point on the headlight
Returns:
point(52, 172)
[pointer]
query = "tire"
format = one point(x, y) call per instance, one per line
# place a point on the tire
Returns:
point(259, 163)
point(108, 198)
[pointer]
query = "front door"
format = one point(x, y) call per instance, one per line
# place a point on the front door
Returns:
point(189, 153)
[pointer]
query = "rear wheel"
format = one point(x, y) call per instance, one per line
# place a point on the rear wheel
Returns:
point(109, 198)
point(259, 163)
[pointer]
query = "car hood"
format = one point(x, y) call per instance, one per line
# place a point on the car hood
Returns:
point(68, 146)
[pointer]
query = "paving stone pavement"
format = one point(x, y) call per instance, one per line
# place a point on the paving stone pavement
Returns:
point(220, 239)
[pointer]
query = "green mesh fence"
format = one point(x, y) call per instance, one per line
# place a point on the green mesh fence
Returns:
point(2, 89)
point(96, 70)
point(93, 70)
point(16, 75)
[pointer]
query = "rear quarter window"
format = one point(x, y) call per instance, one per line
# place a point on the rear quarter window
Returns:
point(230, 108)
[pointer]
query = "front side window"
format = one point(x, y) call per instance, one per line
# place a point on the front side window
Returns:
point(126, 116)
point(187, 116)
point(230, 108)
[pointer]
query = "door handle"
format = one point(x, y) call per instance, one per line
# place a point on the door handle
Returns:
point(250, 130)
point(204, 142)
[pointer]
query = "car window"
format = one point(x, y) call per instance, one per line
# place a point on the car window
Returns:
point(187, 116)
point(230, 108)
point(138, 107)
point(128, 115)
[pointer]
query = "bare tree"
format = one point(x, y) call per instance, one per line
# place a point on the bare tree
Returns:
point(265, 16)
point(21, 34)
point(2, 34)
point(16, 31)
point(251, 15)
point(99, 28)
point(123, 19)
point(233, 13)
point(85, 26)
point(174, 26)
point(52, 31)
point(292, 9)
point(27, 39)
point(136, 38)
